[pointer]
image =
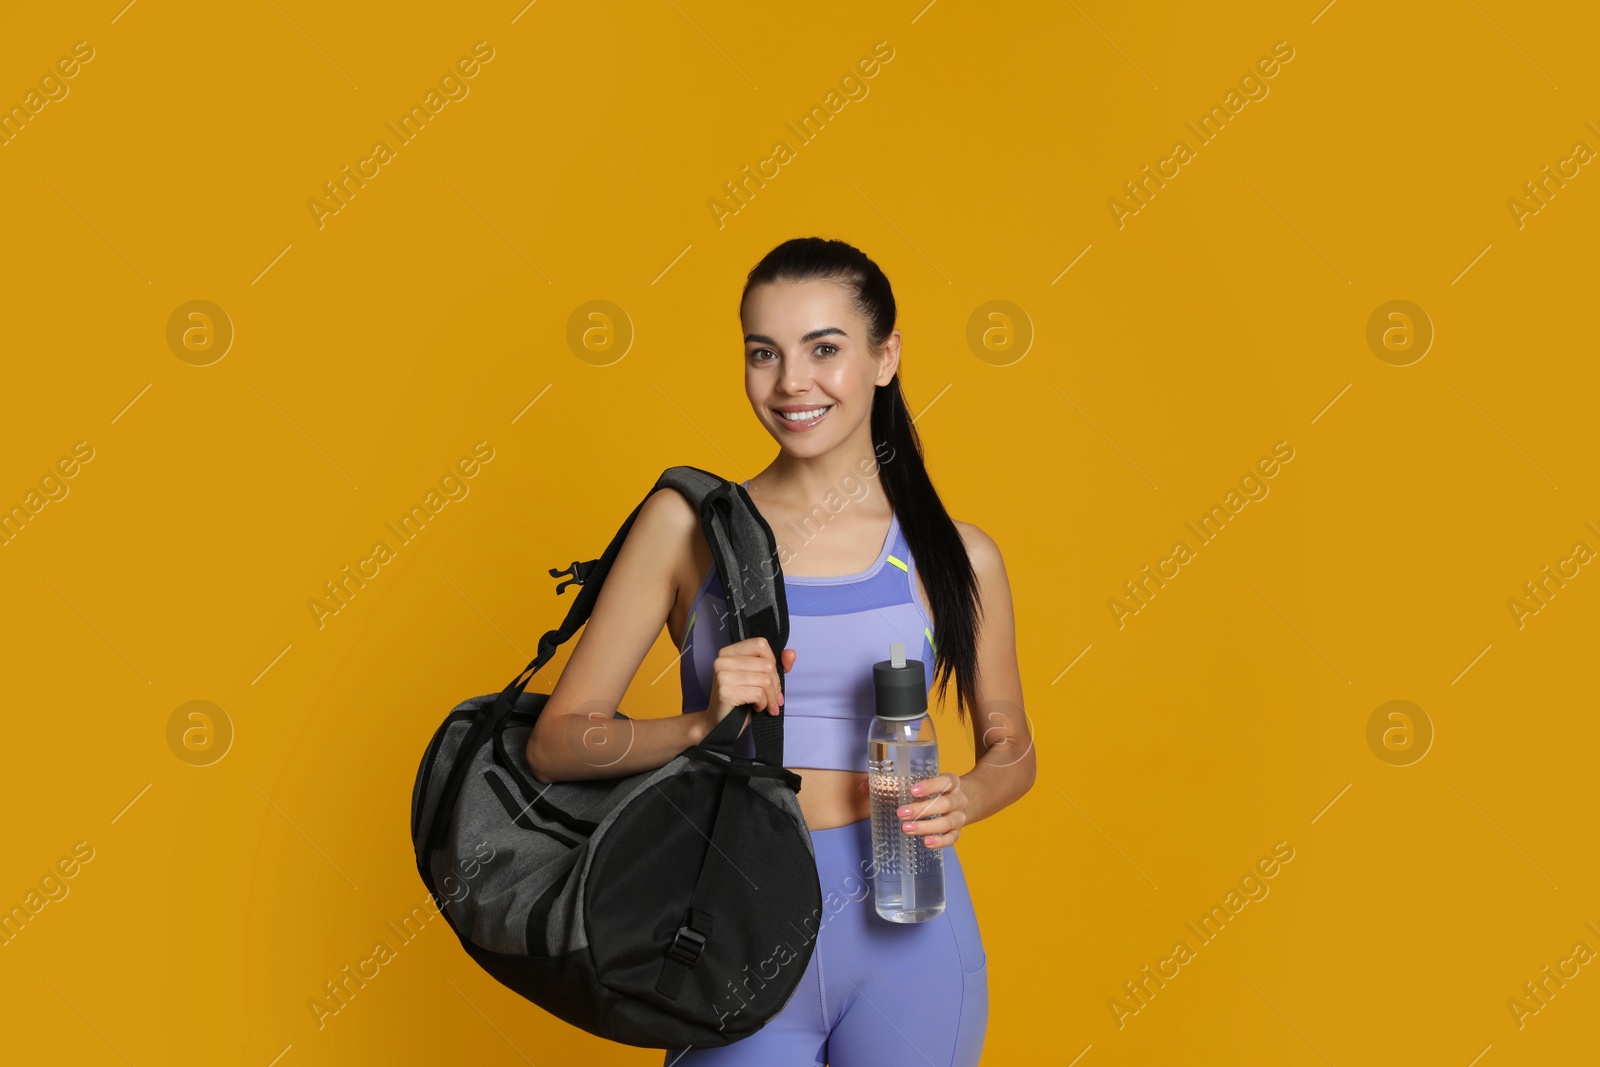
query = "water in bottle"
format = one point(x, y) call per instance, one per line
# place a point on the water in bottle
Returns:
point(907, 875)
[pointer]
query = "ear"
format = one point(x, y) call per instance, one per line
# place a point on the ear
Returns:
point(889, 364)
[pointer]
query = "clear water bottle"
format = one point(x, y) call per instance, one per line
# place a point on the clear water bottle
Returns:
point(907, 875)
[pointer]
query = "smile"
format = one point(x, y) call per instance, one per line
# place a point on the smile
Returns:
point(803, 420)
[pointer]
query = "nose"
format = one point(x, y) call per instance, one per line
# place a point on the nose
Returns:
point(794, 377)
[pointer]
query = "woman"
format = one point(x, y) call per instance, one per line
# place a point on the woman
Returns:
point(821, 370)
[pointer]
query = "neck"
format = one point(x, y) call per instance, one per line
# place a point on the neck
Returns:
point(801, 484)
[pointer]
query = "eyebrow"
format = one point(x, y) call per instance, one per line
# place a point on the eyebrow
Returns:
point(812, 336)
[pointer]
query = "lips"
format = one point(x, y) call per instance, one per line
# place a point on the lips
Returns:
point(803, 424)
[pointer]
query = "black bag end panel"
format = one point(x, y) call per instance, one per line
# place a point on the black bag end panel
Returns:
point(546, 981)
point(640, 882)
point(565, 987)
point(634, 1022)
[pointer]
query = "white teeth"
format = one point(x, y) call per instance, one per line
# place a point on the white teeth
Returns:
point(804, 416)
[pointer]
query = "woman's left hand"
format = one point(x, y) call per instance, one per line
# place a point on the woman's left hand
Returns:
point(937, 811)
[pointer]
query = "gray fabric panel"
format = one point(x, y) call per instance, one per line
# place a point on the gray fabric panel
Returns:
point(590, 799)
point(443, 760)
point(492, 907)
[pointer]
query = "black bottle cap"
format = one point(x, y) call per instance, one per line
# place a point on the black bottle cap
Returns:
point(899, 685)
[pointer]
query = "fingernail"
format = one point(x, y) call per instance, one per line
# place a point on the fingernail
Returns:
point(903, 812)
point(908, 827)
point(916, 790)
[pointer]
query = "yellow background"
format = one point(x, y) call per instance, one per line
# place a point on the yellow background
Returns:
point(1230, 714)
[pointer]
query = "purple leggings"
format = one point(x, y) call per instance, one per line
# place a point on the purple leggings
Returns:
point(876, 993)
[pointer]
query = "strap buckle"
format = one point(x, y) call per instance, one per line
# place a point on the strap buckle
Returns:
point(578, 572)
point(687, 944)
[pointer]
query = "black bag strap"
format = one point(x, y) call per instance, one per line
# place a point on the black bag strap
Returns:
point(746, 557)
point(756, 607)
point(713, 888)
point(736, 533)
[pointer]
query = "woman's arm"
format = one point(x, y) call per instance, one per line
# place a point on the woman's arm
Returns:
point(577, 735)
point(1006, 763)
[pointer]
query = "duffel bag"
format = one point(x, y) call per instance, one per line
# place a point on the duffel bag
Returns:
point(673, 907)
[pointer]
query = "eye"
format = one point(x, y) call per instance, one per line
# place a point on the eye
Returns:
point(755, 356)
point(832, 349)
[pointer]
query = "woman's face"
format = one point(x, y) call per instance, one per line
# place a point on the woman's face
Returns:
point(805, 350)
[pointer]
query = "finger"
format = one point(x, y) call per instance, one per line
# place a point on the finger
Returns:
point(769, 695)
point(747, 689)
point(744, 677)
point(766, 683)
point(942, 824)
point(755, 697)
point(921, 809)
point(942, 840)
point(928, 827)
point(754, 647)
point(754, 665)
point(746, 661)
point(751, 661)
point(939, 783)
point(789, 656)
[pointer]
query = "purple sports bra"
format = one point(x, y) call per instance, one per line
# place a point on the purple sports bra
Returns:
point(840, 627)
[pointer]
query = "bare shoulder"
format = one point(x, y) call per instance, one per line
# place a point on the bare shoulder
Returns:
point(668, 519)
point(671, 527)
point(982, 551)
point(668, 511)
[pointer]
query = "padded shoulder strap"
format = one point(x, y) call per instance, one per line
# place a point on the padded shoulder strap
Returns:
point(746, 556)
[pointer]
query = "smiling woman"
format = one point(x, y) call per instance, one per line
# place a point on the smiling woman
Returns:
point(821, 370)
point(869, 558)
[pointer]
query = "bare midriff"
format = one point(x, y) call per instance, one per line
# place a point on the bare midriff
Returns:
point(830, 798)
